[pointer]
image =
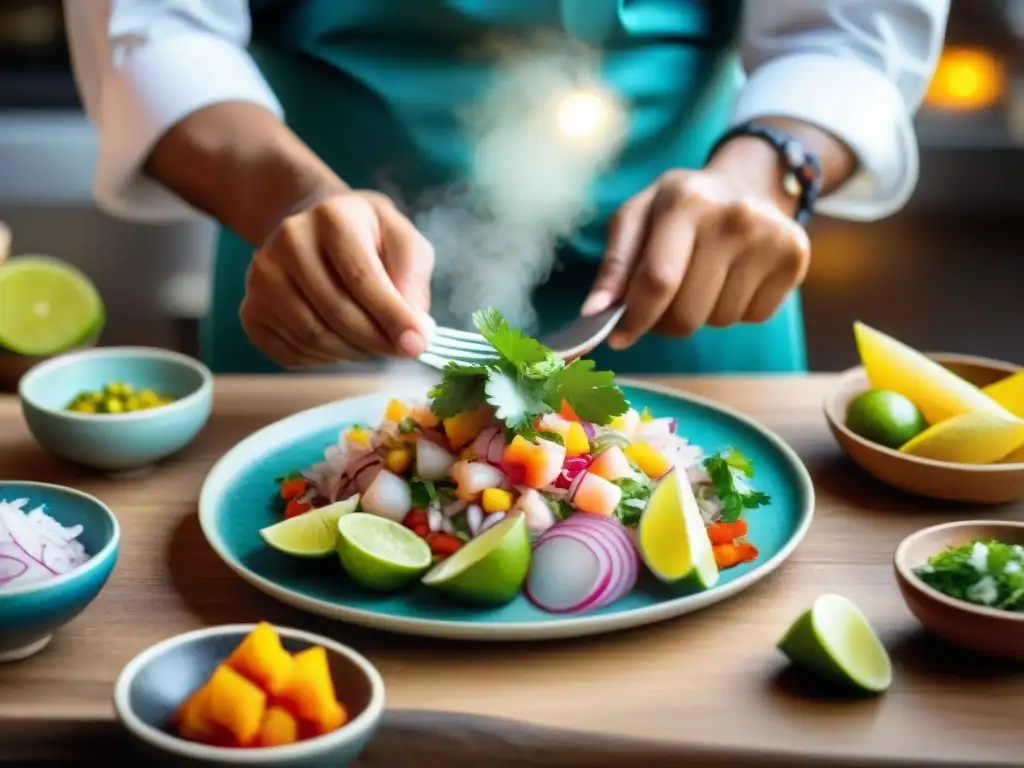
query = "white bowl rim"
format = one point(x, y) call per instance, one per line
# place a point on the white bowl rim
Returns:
point(842, 377)
point(355, 729)
point(903, 568)
point(155, 353)
point(94, 561)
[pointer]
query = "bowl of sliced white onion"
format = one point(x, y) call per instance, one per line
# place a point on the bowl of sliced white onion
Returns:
point(58, 547)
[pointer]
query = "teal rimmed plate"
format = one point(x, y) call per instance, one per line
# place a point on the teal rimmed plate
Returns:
point(236, 501)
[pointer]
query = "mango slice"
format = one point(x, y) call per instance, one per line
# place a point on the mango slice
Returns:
point(261, 658)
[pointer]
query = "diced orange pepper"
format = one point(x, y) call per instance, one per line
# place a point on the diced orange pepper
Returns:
point(729, 555)
point(398, 460)
point(396, 411)
point(727, 533)
point(567, 412)
point(309, 694)
point(234, 703)
point(576, 441)
point(425, 417)
point(463, 427)
point(650, 461)
point(277, 728)
point(262, 659)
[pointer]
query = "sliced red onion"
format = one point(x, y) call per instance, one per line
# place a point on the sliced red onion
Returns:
point(474, 519)
point(575, 484)
point(447, 526)
point(434, 518)
point(450, 510)
point(619, 540)
point(589, 430)
point(571, 469)
point(574, 569)
point(432, 461)
point(11, 568)
point(489, 521)
point(482, 442)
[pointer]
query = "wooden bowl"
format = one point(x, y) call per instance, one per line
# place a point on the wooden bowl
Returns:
point(987, 630)
point(970, 483)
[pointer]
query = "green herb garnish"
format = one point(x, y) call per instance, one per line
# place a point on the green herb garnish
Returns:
point(423, 492)
point(987, 573)
point(561, 508)
point(629, 514)
point(528, 380)
point(408, 425)
point(722, 469)
point(286, 478)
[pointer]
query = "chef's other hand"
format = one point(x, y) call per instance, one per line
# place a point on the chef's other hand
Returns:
point(710, 247)
point(345, 279)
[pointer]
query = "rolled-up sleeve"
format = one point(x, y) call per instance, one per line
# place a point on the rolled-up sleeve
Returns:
point(857, 69)
point(143, 65)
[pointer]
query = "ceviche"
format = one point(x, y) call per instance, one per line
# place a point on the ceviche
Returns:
point(531, 448)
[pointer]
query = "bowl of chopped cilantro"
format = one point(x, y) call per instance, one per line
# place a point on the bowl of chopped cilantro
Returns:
point(964, 581)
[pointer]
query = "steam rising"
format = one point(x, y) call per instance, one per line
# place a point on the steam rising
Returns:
point(541, 136)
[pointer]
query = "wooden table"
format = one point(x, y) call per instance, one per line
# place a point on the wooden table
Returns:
point(709, 685)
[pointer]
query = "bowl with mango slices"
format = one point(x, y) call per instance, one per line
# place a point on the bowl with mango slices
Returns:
point(940, 425)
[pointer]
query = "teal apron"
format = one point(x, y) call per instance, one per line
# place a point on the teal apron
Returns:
point(375, 88)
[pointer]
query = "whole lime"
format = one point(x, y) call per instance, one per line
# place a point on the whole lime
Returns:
point(884, 417)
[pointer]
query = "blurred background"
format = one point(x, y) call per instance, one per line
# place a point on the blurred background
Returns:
point(947, 273)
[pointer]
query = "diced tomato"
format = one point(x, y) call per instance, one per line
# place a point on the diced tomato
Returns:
point(415, 517)
point(292, 489)
point(294, 508)
point(443, 544)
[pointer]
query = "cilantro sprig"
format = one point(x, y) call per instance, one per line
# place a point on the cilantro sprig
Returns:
point(722, 468)
point(528, 380)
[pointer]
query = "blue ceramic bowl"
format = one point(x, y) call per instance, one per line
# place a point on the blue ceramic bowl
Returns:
point(29, 614)
point(121, 442)
point(156, 682)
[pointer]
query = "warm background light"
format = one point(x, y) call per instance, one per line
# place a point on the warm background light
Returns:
point(966, 79)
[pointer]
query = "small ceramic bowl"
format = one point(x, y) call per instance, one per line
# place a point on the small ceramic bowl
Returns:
point(123, 442)
point(29, 614)
point(156, 682)
point(970, 483)
point(986, 630)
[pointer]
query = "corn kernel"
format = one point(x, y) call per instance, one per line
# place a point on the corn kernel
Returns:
point(496, 500)
point(398, 461)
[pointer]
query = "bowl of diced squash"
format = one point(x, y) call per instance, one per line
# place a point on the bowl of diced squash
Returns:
point(249, 694)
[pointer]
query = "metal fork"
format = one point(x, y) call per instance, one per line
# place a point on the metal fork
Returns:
point(577, 339)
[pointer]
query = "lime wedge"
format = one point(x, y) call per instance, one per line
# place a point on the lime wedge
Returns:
point(46, 306)
point(379, 553)
point(490, 569)
point(313, 534)
point(834, 640)
point(672, 537)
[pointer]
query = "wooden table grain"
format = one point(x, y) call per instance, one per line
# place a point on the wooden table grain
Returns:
point(706, 684)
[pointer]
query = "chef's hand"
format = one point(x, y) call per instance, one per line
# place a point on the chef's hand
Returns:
point(712, 247)
point(345, 279)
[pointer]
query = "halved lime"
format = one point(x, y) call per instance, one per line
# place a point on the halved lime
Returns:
point(380, 553)
point(312, 534)
point(884, 417)
point(672, 538)
point(46, 306)
point(490, 569)
point(834, 640)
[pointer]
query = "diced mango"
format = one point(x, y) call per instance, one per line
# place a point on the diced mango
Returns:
point(309, 694)
point(334, 717)
point(462, 428)
point(278, 728)
point(261, 658)
point(650, 461)
point(533, 464)
point(191, 721)
point(576, 441)
point(597, 496)
point(398, 460)
point(425, 417)
point(496, 500)
point(396, 411)
point(235, 704)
